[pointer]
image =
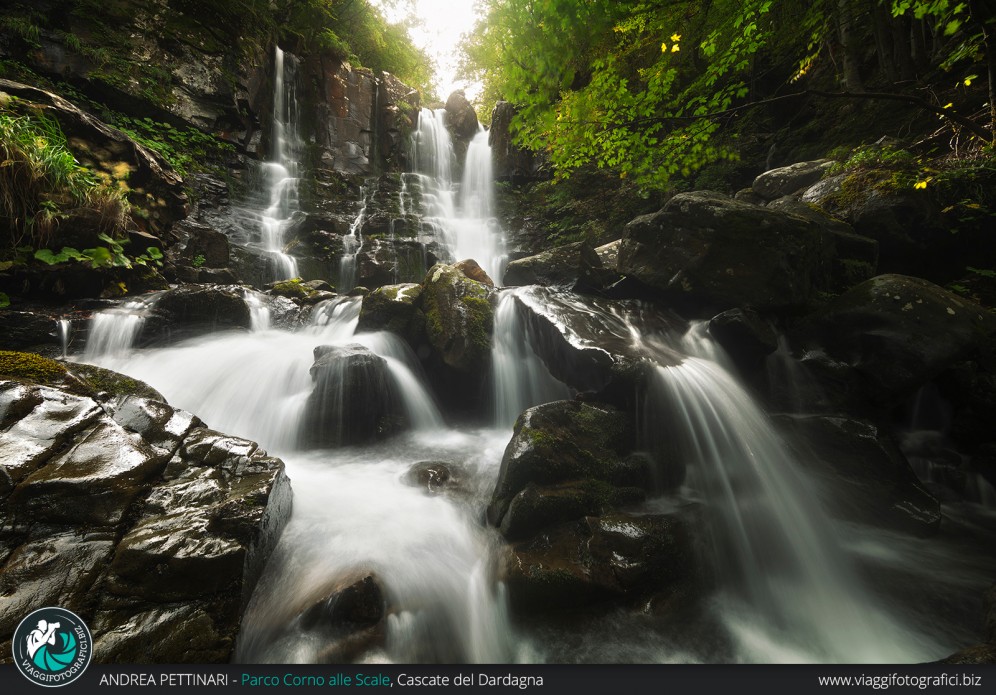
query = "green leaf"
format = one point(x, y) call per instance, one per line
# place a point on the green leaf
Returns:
point(100, 257)
point(4, 300)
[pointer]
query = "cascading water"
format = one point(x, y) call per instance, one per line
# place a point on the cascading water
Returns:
point(64, 327)
point(519, 378)
point(351, 245)
point(281, 171)
point(788, 592)
point(462, 217)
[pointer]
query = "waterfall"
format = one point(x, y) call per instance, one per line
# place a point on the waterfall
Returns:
point(351, 245)
point(461, 216)
point(64, 327)
point(113, 332)
point(281, 171)
point(788, 590)
point(519, 378)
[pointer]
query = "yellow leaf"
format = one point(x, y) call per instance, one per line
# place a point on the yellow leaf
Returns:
point(920, 184)
point(676, 37)
point(948, 105)
point(674, 48)
point(968, 81)
point(663, 48)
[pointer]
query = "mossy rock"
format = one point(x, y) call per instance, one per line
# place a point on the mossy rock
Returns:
point(80, 379)
point(27, 366)
point(101, 380)
point(392, 308)
point(587, 446)
point(459, 318)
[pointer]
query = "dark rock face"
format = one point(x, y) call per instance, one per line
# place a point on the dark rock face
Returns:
point(588, 344)
point(511, 163)
point(870, 476)
point(393, 308)
point(745, 336)
point(597, 559)
point(461, 121)
point(791, 179)
point(899, 332)
point(133, 514)
point(566, 460)
point(353, 401)
point(561, 266)
point(194, 310)
point(706, 250)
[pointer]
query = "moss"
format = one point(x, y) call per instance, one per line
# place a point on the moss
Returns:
point(99, 380)
point(292, 289)
point(31, 367)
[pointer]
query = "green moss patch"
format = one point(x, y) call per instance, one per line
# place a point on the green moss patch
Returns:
point(28, 366)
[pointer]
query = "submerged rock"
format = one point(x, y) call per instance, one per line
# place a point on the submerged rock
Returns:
point(434, 476)
point(134, 515)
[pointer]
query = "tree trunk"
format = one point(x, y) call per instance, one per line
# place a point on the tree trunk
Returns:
point(901, 48)
point(882, 30)
point(849, 44)
point(984, 14)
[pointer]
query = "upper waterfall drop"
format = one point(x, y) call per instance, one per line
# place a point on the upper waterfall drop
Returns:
point(281, 171)
point(460, 215)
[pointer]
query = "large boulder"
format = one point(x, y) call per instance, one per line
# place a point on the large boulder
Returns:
point(192, 310)
point(868, 476)
point(134, 515)
point(566, 460)
point(899, 332)
point(709, 252)
point(461, 121)
point(354, 399)
point(459, 319)
point(393, 308)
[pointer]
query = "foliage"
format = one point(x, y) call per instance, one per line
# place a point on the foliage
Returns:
point(41, 182)
point(110, 256)
point(654, 89)
point(186, 149)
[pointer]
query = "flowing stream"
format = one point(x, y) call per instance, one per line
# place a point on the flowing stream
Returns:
point(790, 584)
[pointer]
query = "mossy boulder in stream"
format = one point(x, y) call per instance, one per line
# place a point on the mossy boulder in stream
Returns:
point(459, 318)
point(393, 308)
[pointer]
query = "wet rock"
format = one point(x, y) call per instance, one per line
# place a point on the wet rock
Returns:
point(434, 476)
point(588, 343)
point(560, 266)
point(461, 121)
point(565, 460)
point(393, 308)
point(899, 332)
point(472, 270)
point(199, 246)
point(459, 319)
point(358, 605)
point(709, 252)
point(26, 329)
point(787, 180)
point(745, 336)
point(310, 292)
point(130, 513)
point(103, 383)
point(869, 476)
point(194, 310)
point(598, 559)
point(353, 400)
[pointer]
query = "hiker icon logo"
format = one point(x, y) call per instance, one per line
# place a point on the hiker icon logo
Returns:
point(52, 647)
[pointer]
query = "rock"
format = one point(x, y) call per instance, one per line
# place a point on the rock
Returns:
point(130, 513)
point(434, 476)
point(461, 121)
point(747, 195)
point(26, 329)
point(358, 605)
point(199, 246)
point(354, 399)
point(559, 443)
point(393, 308)
point(473, 271)
point(899, 332)
point(707, 251)
point(855, 257)
point(745, 336)
point(908, 225)
point(459, 319)
point(872, 480)
point(303, 292)
point(588, 343)
point(597, 559)
point(787, 180)
point(608, 254)
point(560, 266)
point(194, 310)
point(979, 654)
point(512, 163)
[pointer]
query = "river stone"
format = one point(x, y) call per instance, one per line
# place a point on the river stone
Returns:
point(393, 308)
point(194, 310)
point(459, 319)
point(597, 559)
point(745, 336)
point(787, 180)
point(354, 399)
point(575, 457)
point(434, 476)
point(709, 252)
point(899, 332)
